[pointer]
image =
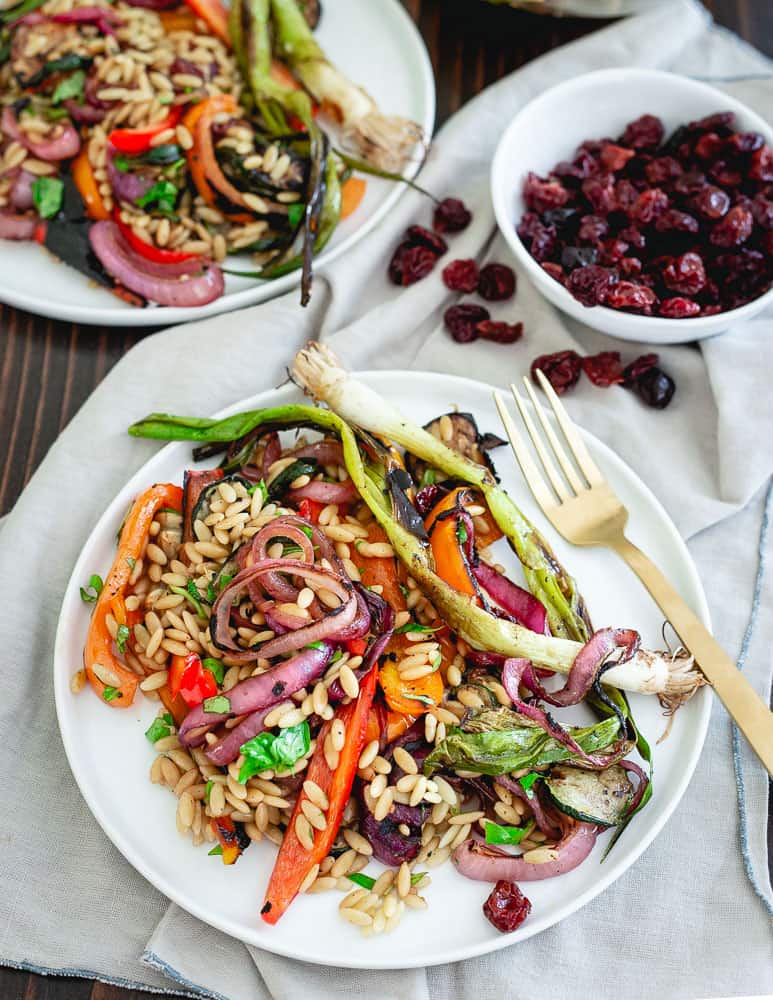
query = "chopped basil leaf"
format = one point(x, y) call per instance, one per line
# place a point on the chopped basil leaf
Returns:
point(316, 645)
point(428, 478)
point(192, 597)
point(167, 718)
point(111, 693)
point(55, 114)
point(165, 98)
point(418, 697)
point(159, 728)
point(122, 163)
point(217, 705)
point(208, 789)
point(527, 781)
point(337, 655)
point(364, 880)
point(224, 580)
point(69, 88)
point(211, 595)
point(496, 834)
point(47, 194)
point(461, 532)
point(295, 214)
point(131, 562)
point(122, 636)
point(161, 196)
point(415, 627)
point(436, 661)
point(215, 667)
point(95, 585)
point(417, 877)
point(307, 530)
point(267, 751)
point(216, 851)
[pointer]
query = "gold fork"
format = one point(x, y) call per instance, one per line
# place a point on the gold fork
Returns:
point(583, 507)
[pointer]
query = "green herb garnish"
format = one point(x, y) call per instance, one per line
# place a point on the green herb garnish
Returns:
point(423, 698)
point(461, 533)
point(160, 727)
point(216, 851)
point(364, 880)
point(111, 693)
point(496, 834)
point(131, 562)
point(415, 627)
point(215, 667)
point(217, 705)
point(527, 781)
point(47, 194)
point(208, 789)
point(192, 597)
point(162, 196)
point(295, 213)
point(69, 88)
point(315, 645)
point(122, 637)
point(266, 751)
point(428, 478)
point(90, 594)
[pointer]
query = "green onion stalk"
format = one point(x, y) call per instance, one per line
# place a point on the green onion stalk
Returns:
point(248, 22)
point(383, 141)
point(647, 672)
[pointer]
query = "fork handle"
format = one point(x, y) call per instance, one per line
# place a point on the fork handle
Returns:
point(751, 714)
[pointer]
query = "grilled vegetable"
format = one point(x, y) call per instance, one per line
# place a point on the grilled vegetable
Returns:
point(600, 797)
point(465, 439)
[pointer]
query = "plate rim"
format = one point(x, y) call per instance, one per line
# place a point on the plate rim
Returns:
point(625, 860)
point(165, 316)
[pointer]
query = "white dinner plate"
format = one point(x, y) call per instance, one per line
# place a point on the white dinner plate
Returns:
point(140, 817)
point(400, 80)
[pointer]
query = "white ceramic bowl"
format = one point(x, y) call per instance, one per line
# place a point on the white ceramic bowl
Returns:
point(591, 106)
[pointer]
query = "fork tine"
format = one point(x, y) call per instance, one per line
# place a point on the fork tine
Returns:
point(573, 438)
point(558, 449)
point(544, 456)
point(531, 473)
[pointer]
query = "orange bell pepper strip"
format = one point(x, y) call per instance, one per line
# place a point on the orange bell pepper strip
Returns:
point(214, 14)
point(352, 193)
point(86, 183)
point(179, 19)
point(232, 839)
point(403, 696)
point(380, 570)
point(201, 155)
point(98, 650)
point(450, 562)
point(294, 861)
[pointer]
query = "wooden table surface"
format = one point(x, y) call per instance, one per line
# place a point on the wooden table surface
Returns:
point(48, 368)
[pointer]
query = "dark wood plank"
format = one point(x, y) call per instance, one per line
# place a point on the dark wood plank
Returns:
point(48, 368)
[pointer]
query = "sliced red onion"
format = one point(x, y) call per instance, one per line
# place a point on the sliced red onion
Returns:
point(280, 621)
point(84, 114)
point(292, 528)
point(271, 453)
point(541, 817)
point(21, 192)
point(260, 692)
point(126, 185)
point(322, 492)
point(381, 622)
point(476, 861)
point(522, 605)
point(161, 283)
point(33, 18)
point(326, 452)
point(104, 19)
point(227, 749)
point(90, 90)
point(518, 671)
point(628, 765)
point(589, 664)
point(62, 147)
point(333, 622)
point(16, 227)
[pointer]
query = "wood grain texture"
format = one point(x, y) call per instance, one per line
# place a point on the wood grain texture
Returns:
point(48, 368)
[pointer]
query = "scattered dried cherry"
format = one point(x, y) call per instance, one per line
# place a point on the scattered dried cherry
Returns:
point(721, 121)
point(451, 216)
point(561, 369)
point(615, 157)
point(603, 369)
point(496, 282)
point(419, 236)
point(746, 142)
point(685, 274)
point(462, 319)
point(427, 497)
point(662, 170)
point(711, 202)
point(592, 228)
point(645, 133)
point(506, 907)
point(600, 192)
point(461, 275)
point(655, 388)
point(678, 308)
point(554, 270)
point(761, 168)
point(637, 368)
point(708, 146)
point(501, 333)
point(410, 263)
point(734, 229)
point(649, 205)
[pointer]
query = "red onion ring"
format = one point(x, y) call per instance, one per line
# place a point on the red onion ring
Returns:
point(104, 19)
point(227, 749)
point(326, 452)
point(478, 862)
point(628, 765)
point(126, 186)
point(84, 114)
point(16, 227)
point(322, 492)
point(259, 692)
point(21, 192)
point(589, 664)
point(161, 283)
point(523, 606)
point(62, 147)
point(289, 527)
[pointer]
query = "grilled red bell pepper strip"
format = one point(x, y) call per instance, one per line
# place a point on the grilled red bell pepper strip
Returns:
point(294, 861)
point(147, 250)
point(137, 140)
point(215, 15)
point(191, 680)
point(310, 510)
point(120, 683)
